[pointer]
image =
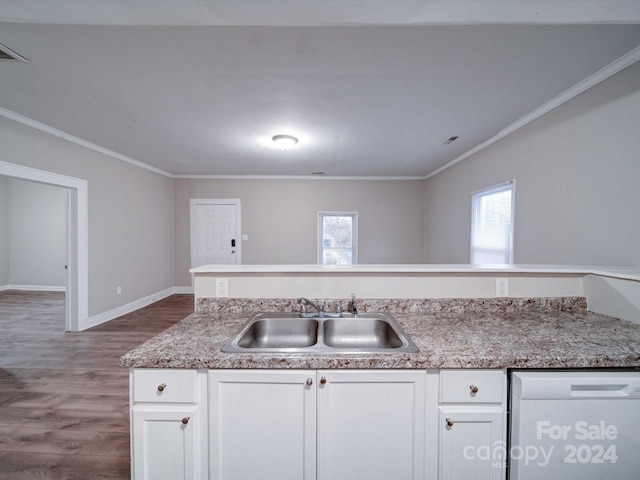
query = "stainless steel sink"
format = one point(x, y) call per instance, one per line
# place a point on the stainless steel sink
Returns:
point(361, 333)
point(288, 333)
point(280, 333)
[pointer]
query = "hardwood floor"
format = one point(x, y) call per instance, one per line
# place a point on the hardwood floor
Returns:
point(64, 399)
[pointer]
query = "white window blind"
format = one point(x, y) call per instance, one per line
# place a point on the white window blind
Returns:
point(492, 225)
point(337, 238)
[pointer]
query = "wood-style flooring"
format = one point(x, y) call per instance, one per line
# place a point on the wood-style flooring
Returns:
point(64, 399)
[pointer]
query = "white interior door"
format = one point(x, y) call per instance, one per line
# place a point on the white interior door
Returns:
point(215, 232)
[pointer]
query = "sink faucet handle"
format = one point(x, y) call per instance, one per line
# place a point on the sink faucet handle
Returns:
point(303, 308)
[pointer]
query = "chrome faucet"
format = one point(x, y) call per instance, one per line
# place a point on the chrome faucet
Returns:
point(320, 309)
point(353, 305)
point(303, 309)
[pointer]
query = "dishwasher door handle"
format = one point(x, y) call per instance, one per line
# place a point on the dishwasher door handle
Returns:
point(600, 390)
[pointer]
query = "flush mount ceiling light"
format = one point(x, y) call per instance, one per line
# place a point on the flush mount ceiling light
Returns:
point(285, 142)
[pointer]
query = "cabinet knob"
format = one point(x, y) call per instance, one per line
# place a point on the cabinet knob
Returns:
point(449, 422)
point(323, 380)
point(162, 386)
point(473, 389)
point(185, 420)
point(309, 382)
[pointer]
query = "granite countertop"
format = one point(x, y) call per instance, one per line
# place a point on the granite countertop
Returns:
point(461, 337)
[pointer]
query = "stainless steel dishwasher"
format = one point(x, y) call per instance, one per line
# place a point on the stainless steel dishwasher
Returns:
point(569, 425)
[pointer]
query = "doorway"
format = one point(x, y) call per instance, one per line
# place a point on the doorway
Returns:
point(76, 280)
point(215, 232)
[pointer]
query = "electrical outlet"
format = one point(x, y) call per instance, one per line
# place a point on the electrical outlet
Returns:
point(502, 287)
point(118, 290)
point(222, 287)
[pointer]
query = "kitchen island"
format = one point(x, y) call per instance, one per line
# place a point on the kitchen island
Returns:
point(197, 412)
point(450, 333)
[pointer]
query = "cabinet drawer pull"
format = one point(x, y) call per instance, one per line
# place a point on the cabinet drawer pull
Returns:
point(473, 388)
point(449, 423)
point(323, 380)
point(185, 420)
point(161, 387)
point(309, 382)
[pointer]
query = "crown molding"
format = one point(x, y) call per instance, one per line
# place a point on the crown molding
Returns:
point(600, 76)
point(29, 122)
point(292, 177)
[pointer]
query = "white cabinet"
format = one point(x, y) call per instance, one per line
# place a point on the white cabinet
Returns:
point(167, 420)
point(370, 425)
point(262, 424)
point(164, 444)
point(324, 424)
point(471, 424)
point(471, 443)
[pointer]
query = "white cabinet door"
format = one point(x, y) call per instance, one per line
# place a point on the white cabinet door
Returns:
point(370, 425)
point(471, 443)
point(165, 443)
point(262, 425)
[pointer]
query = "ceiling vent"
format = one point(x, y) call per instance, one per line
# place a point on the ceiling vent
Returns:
point(449, 140)
point(7, 54)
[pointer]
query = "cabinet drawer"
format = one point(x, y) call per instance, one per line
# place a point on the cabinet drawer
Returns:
point(471, 386)
point(164, 385)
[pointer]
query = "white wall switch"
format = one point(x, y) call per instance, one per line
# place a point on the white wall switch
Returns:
point(245, 237)
point(222, 287)
point(502, 287)
point(118, 290)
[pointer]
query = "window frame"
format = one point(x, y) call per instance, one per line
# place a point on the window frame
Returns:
point(320, 234)
point(501, 187)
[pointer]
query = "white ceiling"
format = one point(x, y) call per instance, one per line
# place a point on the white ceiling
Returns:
point(371, 88)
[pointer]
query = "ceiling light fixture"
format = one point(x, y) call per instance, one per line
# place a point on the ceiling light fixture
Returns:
point(285, 142)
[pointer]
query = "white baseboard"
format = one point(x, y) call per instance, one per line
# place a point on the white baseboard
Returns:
point(132, 306)
point(34, 288)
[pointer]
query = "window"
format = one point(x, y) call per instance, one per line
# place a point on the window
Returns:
point(337, 238)
point(492, 225)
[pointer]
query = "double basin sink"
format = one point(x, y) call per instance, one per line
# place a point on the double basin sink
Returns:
point(289, 333)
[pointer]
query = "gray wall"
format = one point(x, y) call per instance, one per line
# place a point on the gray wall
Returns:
point(130, 214)
point(4, 235)
point(577, 193)
point(279, 216)
point(36, 216)
point(577, 172)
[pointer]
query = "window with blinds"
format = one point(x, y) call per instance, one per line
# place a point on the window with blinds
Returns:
point(492, 225)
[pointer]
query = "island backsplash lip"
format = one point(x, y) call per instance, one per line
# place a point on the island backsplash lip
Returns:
point(493, 338)
point(627, 273)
